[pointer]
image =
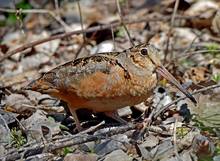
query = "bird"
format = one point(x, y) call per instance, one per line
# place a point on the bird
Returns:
point(106, 82)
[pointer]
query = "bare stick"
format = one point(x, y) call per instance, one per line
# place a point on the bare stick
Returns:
point(189, 54)
point(78, 51)
point(42, 11)
point(174, 12)
point(34, 43)
point(113, 38)
point(191, 44)
point(57, 7)
point(92, 29)
point(122, 22)
point(171, 28)
point(184, 97)
point(81, 21)
point(187, 49)
point(93, 128)
point(67, 141)
point(57, 16)
point(61, 143)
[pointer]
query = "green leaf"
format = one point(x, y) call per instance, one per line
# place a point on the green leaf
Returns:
point(213, 48)
point(11, 19)
point(216, 77)
point(63, 127)
point(17, 139)
point(67, 150)
point(120, 32)
point(23, 5)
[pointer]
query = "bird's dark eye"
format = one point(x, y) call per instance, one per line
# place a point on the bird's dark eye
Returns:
point(144, 51)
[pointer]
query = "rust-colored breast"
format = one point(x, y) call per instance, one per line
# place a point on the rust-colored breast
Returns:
point(108, 91)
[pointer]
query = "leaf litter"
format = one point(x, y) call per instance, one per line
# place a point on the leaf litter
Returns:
point(35, 125)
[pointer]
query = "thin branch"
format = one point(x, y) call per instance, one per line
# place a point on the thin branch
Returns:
point(18, 17)
point(122, 22)
point(60, 36)
point(81, 21)
point(171, 28)
point(189, 54)
point(89, 30)
point(61, 143)
point(57, 16)
point(78, 51)
point(191, 44)
point(83, 31)
point(41, 11)
point(92, 128)
point(113, 38)
point(187, 49)
point(184, 97)
point(174, 12)
point(71, 140)
point(57, 7)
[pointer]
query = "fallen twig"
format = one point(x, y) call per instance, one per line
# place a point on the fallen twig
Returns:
point(61, 143)
point(67, 141)
point(122, 22)
point(189, 54)
point(171, 29)
point(41, 11)
point(92, 29)
point(93, 128)
point(184, 97)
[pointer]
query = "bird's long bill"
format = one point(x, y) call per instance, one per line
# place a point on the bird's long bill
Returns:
point(162, 71)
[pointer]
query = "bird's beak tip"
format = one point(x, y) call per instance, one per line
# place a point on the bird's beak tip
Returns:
point(162, 71)
point(192, 99)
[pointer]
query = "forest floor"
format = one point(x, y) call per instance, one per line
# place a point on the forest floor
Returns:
point(37, 36)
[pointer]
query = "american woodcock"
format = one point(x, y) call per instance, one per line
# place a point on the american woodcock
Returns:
point(106, 82)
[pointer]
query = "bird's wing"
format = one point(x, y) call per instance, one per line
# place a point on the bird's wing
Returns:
point(95, 76)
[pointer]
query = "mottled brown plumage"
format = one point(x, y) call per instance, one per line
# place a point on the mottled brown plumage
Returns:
point(106, 82)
